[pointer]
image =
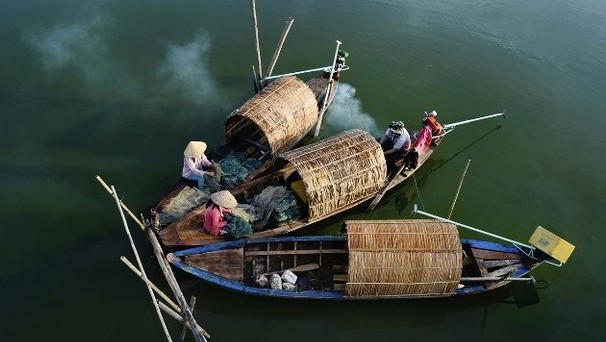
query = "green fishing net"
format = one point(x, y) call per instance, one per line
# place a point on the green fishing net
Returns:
point(274, 206)
point(237, 226)
point(234, 168)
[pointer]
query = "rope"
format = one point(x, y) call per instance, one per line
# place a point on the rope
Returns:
point(418, 190)
point(459, 189)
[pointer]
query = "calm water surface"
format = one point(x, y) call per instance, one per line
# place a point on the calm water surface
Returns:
point(118, 88)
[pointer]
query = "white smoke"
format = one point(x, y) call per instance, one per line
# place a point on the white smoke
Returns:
point(81, 45)
point(186, 70)
point(346, 112)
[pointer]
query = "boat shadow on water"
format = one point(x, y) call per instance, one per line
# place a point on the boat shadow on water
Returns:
point(353, 315)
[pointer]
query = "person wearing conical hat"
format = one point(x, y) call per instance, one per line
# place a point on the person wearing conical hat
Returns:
point(395, 143)
point(195, 162)
point(217, 206)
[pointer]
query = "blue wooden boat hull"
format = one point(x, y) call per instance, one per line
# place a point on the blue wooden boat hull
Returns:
point(177, 259)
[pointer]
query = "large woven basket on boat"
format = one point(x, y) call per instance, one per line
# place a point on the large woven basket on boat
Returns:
point(283, 112)
point(402, 258)
point(337, 172)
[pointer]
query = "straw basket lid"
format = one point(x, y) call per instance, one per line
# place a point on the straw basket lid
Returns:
point(194, 149)
point(224, 199)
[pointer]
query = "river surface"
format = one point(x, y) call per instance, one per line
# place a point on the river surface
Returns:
point(118, 88)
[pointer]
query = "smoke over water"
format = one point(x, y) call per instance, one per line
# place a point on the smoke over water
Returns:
point(80, 45)
point(346, 112)
point(186, 70)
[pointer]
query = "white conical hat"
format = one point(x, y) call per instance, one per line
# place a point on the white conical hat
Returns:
point(224, 199)
point(194, 149)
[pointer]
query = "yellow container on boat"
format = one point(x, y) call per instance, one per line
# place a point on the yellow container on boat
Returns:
point(551, 244)
point(299, 189)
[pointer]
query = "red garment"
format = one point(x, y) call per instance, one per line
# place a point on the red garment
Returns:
point(213, 219)
point(435, 126)
point(423, 140)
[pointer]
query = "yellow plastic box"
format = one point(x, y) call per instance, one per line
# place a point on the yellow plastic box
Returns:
point(551, 244)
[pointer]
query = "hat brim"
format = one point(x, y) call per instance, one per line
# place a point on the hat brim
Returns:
point(194, 149)
point(224, 199)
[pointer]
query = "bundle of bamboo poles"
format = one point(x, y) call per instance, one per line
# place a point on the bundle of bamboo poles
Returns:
point(183, 311)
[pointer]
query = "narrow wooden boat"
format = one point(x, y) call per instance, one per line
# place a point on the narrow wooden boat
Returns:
point(389, 259)
point(271, 122)
point(327, 177)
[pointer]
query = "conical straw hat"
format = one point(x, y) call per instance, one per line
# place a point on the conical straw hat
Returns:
point(224, 199)
point(194, 149)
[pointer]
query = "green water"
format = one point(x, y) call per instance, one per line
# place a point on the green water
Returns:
point(117, 89)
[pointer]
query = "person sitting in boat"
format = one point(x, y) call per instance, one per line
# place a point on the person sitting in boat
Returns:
point(431, 121)
point(217, 206)
point(195, 163)
point(395, 143)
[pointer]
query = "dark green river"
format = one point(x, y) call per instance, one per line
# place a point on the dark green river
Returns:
point(118, 88)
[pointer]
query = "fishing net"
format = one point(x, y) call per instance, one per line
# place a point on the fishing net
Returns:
point(185, 201)
point(274, 206)
point(234, 168)
point(237, 226)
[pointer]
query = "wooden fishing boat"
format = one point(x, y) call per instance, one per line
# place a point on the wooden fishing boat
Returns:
point(271, 122)
point(389, 259)
point(283, 110)
point(327, 177)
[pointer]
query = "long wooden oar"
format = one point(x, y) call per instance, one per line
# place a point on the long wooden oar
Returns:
point(387, 186)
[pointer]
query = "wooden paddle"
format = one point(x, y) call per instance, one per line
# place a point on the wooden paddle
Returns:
point(381, 193)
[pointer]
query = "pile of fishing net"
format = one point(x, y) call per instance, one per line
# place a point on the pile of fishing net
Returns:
point(274, 206)
point(237, 226)
point(189, 198)
point(185, 201)
point(234, 168)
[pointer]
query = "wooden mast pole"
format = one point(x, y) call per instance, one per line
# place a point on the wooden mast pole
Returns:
point(132, 244)
point(257, 48)
point(328, 91)
point(274, 59)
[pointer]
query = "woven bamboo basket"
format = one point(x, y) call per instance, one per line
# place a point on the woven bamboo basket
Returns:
point(283, 112)
point(405, 258)
point(338, 171)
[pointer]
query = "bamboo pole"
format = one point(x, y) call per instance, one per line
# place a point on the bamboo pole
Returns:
point(175, 311)
point(172, 282)
point(459, 188)
point(257, 48)
point(326, 68)
point(417, 211)
point(328, 90)
point(132, 244)
point(192, 305)
point(274, 59)
point(149, 283)
point(495, 279)
point(121, 204)
point(255, 79)
point(454, 124)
